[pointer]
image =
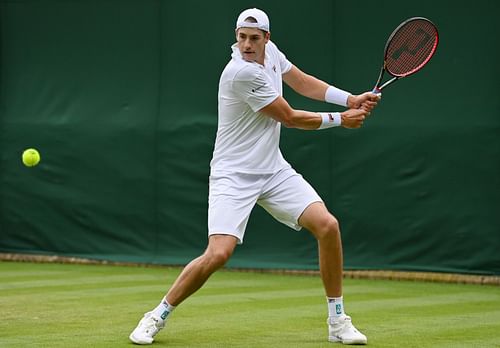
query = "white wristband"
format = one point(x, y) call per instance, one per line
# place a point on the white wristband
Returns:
point(337, 96)
point(330, 119)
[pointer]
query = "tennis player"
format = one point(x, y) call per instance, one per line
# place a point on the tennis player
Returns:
point(248, 168)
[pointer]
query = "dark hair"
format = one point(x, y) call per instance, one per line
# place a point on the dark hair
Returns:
point(253, 20)
point(250, 19)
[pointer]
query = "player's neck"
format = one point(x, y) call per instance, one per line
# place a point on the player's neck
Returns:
point(262, 59)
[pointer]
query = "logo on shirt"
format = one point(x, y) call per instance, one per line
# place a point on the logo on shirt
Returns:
point(256, 89)
point(274, 68)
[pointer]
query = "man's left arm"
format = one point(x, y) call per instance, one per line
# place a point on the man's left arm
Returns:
point(312, 87)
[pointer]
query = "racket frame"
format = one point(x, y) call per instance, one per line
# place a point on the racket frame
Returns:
point(378, 89)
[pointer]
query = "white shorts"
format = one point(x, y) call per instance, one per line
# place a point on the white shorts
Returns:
point(285, 195)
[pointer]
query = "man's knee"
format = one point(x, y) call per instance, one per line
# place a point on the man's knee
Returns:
point(219, 251)
point(326, 227)
point(219, 258)
point(319, 221)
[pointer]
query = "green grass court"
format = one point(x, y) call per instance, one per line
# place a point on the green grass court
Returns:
point(68, 305)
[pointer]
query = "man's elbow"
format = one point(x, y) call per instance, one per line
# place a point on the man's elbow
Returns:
point(289, 121)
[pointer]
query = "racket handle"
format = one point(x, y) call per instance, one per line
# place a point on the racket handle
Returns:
point(376, 90)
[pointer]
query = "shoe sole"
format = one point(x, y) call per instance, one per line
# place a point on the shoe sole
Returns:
point(338, 340)
point(136, 341)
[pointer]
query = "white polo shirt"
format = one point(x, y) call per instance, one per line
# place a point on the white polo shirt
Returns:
point(247, 140)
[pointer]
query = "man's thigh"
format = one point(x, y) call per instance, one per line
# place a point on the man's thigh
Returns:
point(286, 197)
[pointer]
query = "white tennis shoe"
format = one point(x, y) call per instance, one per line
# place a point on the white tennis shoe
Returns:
point(147, 328)
point(342, 330)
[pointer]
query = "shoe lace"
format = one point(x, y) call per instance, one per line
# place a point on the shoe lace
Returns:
point(152, 325)
point(344, 321)
point(348, 321)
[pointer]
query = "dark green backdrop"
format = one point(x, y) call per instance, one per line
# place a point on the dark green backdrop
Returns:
point(120, 97)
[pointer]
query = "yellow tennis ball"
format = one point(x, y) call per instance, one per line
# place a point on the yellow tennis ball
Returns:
point(31, 157)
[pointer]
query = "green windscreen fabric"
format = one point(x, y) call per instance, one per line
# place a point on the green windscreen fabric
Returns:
point(120, 98)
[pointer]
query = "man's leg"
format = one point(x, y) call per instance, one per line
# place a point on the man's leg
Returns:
point(193, 276)
point(325, 228)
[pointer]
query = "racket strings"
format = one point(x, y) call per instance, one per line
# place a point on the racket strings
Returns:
point(411, 47)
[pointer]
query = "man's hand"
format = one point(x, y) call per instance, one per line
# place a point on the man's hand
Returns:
point(366, 101)
point(353, 118)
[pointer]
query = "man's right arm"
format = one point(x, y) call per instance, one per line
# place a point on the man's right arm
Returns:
point(281, 111)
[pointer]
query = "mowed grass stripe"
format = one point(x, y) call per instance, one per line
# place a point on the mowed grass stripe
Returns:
point(68, 280)
point(425, 300)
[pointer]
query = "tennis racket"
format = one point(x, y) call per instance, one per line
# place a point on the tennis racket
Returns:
point(410, 46)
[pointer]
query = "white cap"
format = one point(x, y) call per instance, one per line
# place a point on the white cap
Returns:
point(259, 15)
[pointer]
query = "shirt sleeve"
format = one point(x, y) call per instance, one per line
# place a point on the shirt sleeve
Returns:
point(253, 87)
point(285, 64)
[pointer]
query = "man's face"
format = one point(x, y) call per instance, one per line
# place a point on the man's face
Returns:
point(252, 44)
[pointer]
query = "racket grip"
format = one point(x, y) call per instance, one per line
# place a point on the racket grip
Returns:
point(376, 90)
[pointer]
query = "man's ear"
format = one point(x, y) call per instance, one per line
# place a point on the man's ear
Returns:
point(267, 37)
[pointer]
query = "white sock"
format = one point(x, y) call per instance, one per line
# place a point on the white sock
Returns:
point(335, 307)
point(164, 309)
